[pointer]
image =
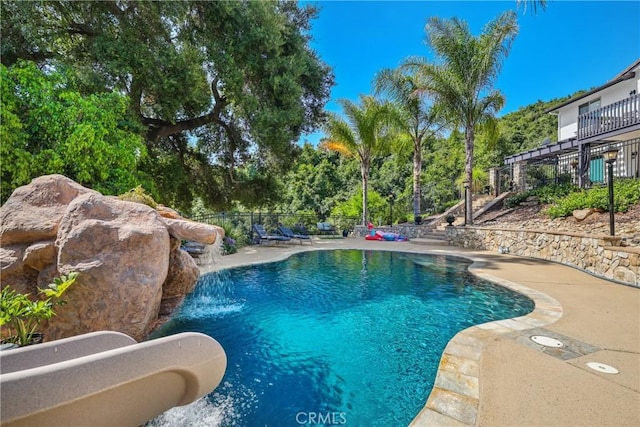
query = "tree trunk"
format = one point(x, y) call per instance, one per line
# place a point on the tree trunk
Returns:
point(417, 171)
point(468, 169)
point(364, 170)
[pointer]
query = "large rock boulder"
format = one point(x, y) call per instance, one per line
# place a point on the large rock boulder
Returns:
point(21, 278)
point(128, 256)
point(122, 247)
point(33, 211)
point(190, 230)
point(181, 279)
point(582, 214)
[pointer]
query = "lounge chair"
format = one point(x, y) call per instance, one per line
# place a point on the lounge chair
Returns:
point(300, 229)
point(264, 236)
point(287, 232)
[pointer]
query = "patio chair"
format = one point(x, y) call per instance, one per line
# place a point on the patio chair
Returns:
point(287, 232)
point(266, 237)
point(326, 228)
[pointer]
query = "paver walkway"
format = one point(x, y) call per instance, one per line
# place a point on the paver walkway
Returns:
point(522, 383)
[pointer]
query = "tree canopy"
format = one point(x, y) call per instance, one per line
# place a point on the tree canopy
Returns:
point(205, 101)
point(49, 127)
point(217, 86)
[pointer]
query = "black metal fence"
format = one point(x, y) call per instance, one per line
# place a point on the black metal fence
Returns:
point(243, 222)
point(563, 168)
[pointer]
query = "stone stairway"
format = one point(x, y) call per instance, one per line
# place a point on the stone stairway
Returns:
point(433, 238)
point(481, 203)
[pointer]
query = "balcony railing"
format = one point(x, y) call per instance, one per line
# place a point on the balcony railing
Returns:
point(612, 117)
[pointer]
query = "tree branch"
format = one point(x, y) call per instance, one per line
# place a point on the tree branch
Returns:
point(161, 128)
point(80, 29)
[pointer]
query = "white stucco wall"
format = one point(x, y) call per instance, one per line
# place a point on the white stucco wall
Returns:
point(568, 115)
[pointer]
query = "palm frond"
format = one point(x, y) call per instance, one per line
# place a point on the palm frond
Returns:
point(542, 4)
point(338, 147)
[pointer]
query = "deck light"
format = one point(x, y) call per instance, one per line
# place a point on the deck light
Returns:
point(610, 156)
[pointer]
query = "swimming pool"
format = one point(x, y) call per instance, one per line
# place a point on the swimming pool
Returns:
point(345, 336)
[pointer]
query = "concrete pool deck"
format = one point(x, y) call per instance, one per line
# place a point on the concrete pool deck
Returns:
point(494, 374)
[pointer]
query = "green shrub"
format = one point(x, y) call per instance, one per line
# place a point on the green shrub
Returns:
point(377, 207)
point(626, 194)
point(22, 316)
point(138, 195)
point(551, 193)
point(513, 201)
point(546, 195)
point(241, 234)
point(234, 239)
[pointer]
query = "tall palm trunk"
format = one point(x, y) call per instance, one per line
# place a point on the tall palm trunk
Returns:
point(364, 170)
point(468, 169)
point(417, 171)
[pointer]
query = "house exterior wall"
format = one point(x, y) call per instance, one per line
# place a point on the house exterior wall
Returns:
point(630, 159)
point(568, 115)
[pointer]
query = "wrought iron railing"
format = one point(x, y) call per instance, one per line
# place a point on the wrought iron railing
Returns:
point(271, 220)
point(612, 117)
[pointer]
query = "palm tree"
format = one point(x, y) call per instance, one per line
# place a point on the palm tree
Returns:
point(542, 4)
point(418, 121)
point(364, 135)
point(462, 82)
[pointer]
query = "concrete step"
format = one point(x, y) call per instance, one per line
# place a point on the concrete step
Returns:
point(437, 235)
point(429, 242)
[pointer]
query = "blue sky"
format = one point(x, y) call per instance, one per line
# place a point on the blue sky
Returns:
point(567, 47)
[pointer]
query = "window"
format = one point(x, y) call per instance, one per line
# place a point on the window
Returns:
point(589, 106)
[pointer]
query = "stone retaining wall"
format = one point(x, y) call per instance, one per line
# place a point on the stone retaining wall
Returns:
point(412, 231)
point(598, 255)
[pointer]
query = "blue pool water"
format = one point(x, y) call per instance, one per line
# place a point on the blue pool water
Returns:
point(348, 335)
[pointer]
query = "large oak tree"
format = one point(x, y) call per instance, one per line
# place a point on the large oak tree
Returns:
point(218, 87)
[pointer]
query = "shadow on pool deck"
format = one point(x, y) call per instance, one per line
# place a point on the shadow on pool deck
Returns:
point(522, 384)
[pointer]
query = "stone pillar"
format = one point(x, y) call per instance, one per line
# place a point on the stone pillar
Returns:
point(518, 176)
point(494, 181)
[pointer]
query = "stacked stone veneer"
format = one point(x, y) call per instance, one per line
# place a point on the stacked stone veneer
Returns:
point(598, 255)
point(412, 231)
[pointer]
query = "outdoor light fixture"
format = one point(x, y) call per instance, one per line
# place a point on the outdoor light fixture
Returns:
point(610, 156)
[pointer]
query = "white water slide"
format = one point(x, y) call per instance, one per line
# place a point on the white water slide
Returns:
point(106, 378)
